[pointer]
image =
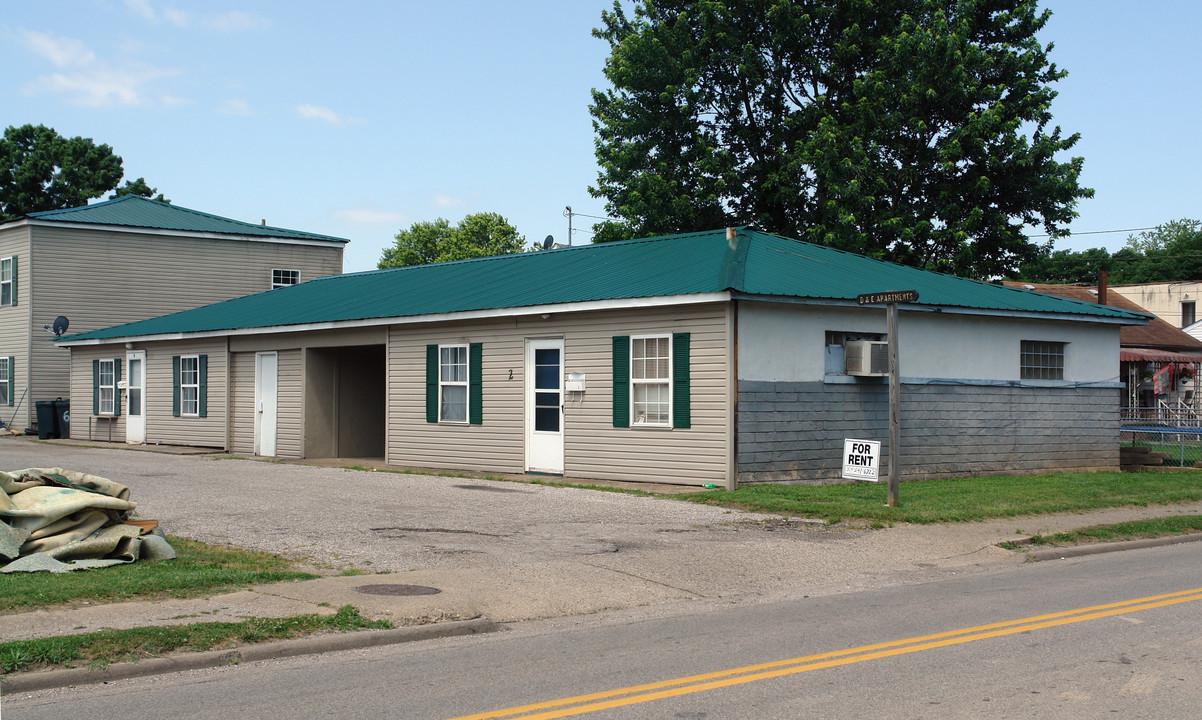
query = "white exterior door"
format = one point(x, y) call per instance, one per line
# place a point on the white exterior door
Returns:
point(266, 368)
point(544, 405)
point(135, 395)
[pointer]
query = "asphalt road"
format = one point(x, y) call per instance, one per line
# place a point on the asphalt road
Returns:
point(946, 649)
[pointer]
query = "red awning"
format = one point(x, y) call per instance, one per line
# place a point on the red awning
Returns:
point(1151, 355)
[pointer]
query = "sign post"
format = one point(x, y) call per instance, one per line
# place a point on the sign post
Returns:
point(891, 299)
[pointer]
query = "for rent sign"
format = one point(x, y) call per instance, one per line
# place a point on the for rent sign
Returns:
point(862, 460)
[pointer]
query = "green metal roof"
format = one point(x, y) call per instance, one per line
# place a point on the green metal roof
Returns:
point(140, 212)
point(755, 263)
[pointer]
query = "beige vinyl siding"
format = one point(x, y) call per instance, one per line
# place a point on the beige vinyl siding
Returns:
point(85, 425)
point(102, 278)
point(593, 448)
point(290, 413)
point(242, 403)
point(15, 337)
point(289, 407)
point(161, 426)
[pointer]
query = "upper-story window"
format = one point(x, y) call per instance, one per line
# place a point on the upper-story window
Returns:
point(8, 276)
point(284, 278)
point(1041, 360)
point(1188, 313)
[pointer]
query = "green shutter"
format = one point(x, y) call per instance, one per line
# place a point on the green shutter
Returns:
point(116, 388)
point(475, 386)
point(621, 366)
point(95, 387)
point(431, 383)
point(175, 385)
point(680, 381)
point(202, 393)
point(14, 285)
point(12, 378)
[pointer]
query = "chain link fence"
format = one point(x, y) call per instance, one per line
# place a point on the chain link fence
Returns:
point(1170, 434)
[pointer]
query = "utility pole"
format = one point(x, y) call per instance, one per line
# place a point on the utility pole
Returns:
point(567, 212)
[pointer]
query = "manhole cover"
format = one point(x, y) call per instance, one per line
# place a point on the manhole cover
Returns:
point(397, 590)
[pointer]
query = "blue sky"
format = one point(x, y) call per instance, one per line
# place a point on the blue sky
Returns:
point(357, 119)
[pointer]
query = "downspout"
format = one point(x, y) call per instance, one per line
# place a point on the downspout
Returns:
point(733, 271)
point(229, 409)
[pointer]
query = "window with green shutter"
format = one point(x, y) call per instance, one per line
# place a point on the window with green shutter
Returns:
point(651, 386)
point(7, 380)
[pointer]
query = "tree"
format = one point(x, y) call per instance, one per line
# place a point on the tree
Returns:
point(1170, 252)
point(41, 170)
point(910, 130)
point(141, 189)
point(477, 235)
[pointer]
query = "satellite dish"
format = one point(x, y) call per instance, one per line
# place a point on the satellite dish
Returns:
point(60, 325)
point(549, 242)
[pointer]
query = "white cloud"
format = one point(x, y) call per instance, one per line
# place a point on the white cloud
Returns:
point(360, 216)
point(143, 8)
point(173, 101)
point(325, 114)
point(447, 201)
point(86, 79)
point(234, 107)
point(237, 21)
point(63, 52)
point(178, 18)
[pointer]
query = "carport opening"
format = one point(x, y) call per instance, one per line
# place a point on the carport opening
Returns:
point(345, 402)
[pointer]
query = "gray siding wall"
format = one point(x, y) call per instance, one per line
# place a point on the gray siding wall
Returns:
point(15, 336)
point(99, 279)
point(289, 407)
point(161, 426)
point(593, 448)
point(794, 431)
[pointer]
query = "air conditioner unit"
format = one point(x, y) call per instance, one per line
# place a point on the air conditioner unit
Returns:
point(866, 358)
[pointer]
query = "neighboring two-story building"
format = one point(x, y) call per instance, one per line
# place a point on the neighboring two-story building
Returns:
point(124, 260)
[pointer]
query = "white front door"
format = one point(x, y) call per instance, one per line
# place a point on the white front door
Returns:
point(135, 397)
point(266, 364)
point(544, 406)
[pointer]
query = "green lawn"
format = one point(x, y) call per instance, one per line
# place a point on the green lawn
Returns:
point(199, 569)
point(965, 499)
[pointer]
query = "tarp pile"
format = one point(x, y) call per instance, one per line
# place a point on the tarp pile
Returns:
point(59, 520)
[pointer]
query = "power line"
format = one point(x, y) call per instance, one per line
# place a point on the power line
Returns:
point(1097, 232)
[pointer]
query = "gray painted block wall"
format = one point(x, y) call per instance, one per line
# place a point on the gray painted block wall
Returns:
point(794, 431)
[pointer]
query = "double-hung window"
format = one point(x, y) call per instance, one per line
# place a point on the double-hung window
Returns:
point(651, 380)
point(1041, 360)
point(8, 285)
point(189, 385)
point(107, 387)
point(452, 383)
point(6, 380)
point(284, 278)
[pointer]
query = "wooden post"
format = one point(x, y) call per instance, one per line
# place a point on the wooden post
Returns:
point(894, 405)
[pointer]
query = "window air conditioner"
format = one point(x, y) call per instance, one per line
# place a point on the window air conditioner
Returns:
point(866, 358)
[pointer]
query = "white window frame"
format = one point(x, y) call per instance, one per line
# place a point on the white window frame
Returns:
point(5, 376)
point(443, 383)
point(1037, 359)
point(279, 274)
point(107, 406)
point(636, 383)
point(6, 280)
point(1189, 318)
point(184, 386)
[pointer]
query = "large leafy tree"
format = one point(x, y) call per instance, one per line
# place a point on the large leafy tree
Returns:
point(1170, 252)
point(42, 170)
point(141, 189)
point(912, 130)
point(477, 235)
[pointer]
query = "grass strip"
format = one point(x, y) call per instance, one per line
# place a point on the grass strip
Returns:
point(964, 499)
point(198, 569)
point(1134, 530)
point(108, 646)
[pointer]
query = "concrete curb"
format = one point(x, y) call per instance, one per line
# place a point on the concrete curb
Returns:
point(1099, 548)
point(45, 680)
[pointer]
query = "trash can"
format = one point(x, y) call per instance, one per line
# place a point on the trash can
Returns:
point(46, 419)
point(62, 417)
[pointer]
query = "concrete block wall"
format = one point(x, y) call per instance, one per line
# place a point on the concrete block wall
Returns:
point(794, 431)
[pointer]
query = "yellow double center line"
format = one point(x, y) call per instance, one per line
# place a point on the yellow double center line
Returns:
point(635, 694)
